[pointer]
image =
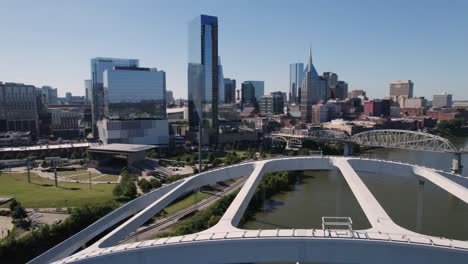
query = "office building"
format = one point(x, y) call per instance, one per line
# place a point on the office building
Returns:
point(18, 108)
point(296, 76)
point(415, 102)
point(442, 100)
point(319, 113)
point(258, 88)
point(66, 123)
point(401, 88)
point(331, 81)
point(248, 94)
point(229, 91)
point(134, 107)
point(272, 104)
point(49, 95)
point(221, 88)
point(314, 90)
point(341, 90)
point(357, 94)
point(203, 83)
point(378, 108)
point(98, 67)
point(88, 91)
point(169, 97)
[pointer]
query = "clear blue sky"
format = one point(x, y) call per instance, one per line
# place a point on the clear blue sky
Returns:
point(368, 43)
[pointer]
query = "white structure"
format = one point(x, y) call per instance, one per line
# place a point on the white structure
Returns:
point(384, 242)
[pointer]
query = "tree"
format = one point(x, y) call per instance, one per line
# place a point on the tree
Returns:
point(216, 162)
point(18, 212)
point(187, 159)
point(44, 164)
point(211, 158)
point(129, 190)
point(117, 191)
point(195, 170)
point(155, 183)
point(74, 155)
point(2, 166)
point(145, 185)
point(13, 204)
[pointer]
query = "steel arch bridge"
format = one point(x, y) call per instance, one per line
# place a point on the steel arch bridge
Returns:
point(384, 242)
point(403, 139)
point(385, 138)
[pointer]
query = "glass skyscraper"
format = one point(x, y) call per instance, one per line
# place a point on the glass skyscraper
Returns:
point(202, 77)
point(98, 66)
point(296, 76)
point(134, 106)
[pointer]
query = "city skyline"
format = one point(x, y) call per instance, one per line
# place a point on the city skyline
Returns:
point(363, 54)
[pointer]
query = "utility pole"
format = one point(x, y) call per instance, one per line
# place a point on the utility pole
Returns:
point(55, 173)
point(28, 166)
point(89, 175)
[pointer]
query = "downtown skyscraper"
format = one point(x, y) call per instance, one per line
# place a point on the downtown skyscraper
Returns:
point(202, 79)
point(296, 77)
point(98, 67)
point(313, 91)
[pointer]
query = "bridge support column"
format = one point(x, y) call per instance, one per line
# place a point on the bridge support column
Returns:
point(348, 149)
point(420, 205)
point(456, 164)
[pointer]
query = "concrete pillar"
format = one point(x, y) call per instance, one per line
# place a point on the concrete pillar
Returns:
point(348, 149)
point(456, 163)
point(420, 205)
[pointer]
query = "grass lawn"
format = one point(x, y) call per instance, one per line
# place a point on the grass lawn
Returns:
point(42, 193)
point(186, 202)
point(106, 178)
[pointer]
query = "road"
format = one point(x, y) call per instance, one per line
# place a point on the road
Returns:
point(147, 232)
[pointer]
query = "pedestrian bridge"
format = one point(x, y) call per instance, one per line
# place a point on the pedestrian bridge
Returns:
point(384, 242)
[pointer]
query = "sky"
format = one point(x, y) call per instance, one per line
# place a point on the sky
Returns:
point(368, 43)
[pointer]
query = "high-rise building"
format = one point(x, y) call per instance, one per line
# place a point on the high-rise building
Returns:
point(401, 88)
point(332, 81)
point(98, 66)
point(442, 100)
point(248, 94)
point(18, 108)
point(259, 88)
point(319, 113)
point(296, 77)
point(49, 95)
point(341, 90)
point(169, 97)
point(221, 88)
point(134, 107)
point(314, 90)
point(203, 83)
point(415, 102)
point(229, 91)
point(272, 104)
point(88, 91)
point(357, 94)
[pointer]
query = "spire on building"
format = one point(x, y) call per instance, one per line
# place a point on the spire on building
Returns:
point(310, 59)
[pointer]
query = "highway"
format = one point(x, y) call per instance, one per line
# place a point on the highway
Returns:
point(145, 233)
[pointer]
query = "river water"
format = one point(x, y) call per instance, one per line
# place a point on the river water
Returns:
point(326, 193)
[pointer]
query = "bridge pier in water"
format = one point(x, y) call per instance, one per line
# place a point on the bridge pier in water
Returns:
point(456, 163)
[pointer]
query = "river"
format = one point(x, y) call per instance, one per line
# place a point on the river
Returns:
point(326, 193)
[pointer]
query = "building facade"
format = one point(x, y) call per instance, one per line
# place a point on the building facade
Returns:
point(442, 100)
point(134, 107)
point(49, 95)
point(401, 88)
point(357, 94)
point(18, 108)
point(341, 90)
point(313, 91)
point(98, 67)
point(296, 77)
point(203, 83)
point(229, 91)
point(415, 102)
point(88, 91)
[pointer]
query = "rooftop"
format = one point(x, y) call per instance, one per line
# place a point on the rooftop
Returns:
point(122, 147)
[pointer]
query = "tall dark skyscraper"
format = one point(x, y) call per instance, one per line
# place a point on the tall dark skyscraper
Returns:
point(202, 77)
point(296, 76)
point(229, 91)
